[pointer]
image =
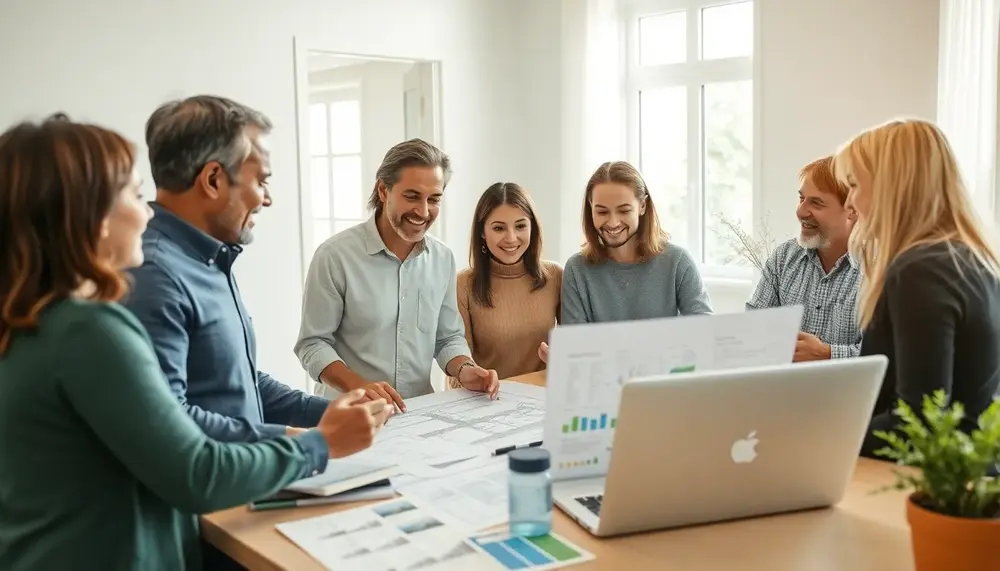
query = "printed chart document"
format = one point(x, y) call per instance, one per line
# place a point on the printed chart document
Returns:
point(393, 535)
point(588, 363)
point(413, 452)
point(450, 426)
point(549, 551)
point(476, 496)
point(405, 534)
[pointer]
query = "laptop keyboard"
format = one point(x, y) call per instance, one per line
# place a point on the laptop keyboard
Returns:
point(592, 503)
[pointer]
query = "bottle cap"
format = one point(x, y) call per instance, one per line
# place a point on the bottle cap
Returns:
point(528, 460)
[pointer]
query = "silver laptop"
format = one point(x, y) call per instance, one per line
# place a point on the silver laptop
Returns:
point(705, 447)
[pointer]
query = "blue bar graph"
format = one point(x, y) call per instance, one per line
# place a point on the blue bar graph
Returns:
point(600, 421)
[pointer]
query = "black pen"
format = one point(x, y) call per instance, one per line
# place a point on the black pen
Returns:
point(506, 449)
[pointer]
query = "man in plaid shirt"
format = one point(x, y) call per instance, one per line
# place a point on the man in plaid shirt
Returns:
point(814, 270)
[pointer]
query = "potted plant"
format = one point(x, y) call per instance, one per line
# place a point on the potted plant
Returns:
point(954, 508)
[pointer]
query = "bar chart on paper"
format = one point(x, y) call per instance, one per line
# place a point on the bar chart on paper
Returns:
point(589, 364)
point(593, 424)
point(591, 393)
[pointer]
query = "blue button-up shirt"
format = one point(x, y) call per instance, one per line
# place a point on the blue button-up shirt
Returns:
point(186, 296)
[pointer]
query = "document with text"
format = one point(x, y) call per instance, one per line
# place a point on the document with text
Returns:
point(441, 429)
point(476, 496)
point(589, 363)
point(408, 533)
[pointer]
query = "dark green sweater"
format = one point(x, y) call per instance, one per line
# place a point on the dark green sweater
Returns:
point(100, 467)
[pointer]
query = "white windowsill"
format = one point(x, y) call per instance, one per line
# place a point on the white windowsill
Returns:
point(728, 284)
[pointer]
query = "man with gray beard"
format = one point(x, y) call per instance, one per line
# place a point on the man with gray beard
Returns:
point(210, 163)
point(815, 270)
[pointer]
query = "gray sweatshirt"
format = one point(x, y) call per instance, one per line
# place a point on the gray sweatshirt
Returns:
point(666, 286)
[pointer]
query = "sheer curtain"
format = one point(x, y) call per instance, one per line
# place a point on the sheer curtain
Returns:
point(967, 94)
point(593, 106)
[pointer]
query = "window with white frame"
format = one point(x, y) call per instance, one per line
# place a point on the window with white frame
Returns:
point(338, 198)
point(689, 88)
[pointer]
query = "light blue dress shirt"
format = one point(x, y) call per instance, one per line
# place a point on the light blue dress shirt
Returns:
point(386, 319)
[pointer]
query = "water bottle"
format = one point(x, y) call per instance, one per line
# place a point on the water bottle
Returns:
point(529, 491)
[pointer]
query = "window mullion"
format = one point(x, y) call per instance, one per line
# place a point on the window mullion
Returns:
point(693, 74)
point(694, 136)
point(694, 171)
point(329, 163)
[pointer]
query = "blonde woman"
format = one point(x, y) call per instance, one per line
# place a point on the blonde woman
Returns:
point(930, 297)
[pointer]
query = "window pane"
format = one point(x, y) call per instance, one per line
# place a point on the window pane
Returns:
point(341, 225)
point(317, 129)
point(321, 231)
point(348, 196)
point(727, 31)
point(663, 39)
point(345, 127)
point(319, 180)
point(728, 168)
point(663, 157)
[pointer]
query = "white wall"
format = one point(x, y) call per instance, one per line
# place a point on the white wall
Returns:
point(830, 69)
point(528, 77)
point(827, 69)
point(114, 61)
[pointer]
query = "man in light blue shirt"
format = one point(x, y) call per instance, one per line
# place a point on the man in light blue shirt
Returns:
point(379, 303)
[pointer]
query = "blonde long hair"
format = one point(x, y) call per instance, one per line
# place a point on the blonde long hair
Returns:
point(918, 198)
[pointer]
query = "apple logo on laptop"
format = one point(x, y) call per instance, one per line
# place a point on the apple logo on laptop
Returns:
point(744, 450)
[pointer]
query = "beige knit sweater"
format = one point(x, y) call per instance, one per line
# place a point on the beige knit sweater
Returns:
point(506, 336)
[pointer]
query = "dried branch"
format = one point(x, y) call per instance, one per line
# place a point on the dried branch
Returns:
point(747, 248)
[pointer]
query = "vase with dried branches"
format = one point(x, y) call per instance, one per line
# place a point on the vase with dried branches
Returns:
point(748, 248)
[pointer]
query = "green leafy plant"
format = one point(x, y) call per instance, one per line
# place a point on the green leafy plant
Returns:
point(952, 476)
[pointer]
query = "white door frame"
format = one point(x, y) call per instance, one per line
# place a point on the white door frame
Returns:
point(301, 47)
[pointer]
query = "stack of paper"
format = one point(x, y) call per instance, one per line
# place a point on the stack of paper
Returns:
point(440, 434)
point(407, 534)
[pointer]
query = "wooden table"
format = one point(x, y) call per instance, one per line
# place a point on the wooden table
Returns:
point(865, 532)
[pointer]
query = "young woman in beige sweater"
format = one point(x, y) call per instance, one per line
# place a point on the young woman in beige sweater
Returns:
point(509, 296)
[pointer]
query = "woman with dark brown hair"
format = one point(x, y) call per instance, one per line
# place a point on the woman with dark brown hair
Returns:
point(102, 468)
point(508, 296)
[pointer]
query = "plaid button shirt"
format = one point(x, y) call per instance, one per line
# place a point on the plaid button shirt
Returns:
point(793, 275)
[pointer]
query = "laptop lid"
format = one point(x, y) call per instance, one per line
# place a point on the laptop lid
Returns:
point(704, 447)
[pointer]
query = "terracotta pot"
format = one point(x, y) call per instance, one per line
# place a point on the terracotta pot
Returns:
point(946, 543)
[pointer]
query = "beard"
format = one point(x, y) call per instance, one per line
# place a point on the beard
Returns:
point(617, 241)
point(246, 232)
point(813, 242)
point(246, 237)
point(402, 224)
